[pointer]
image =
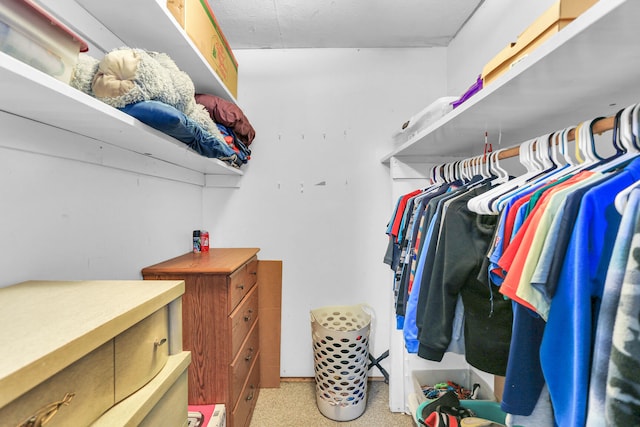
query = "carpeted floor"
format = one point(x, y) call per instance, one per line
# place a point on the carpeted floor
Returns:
point(294, 405)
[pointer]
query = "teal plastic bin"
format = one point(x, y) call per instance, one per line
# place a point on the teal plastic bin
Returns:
point(486, 409)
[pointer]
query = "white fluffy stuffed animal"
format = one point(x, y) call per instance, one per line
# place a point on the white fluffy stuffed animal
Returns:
point(128, 75)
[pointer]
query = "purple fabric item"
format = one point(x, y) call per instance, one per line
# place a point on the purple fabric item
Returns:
point(475, 88)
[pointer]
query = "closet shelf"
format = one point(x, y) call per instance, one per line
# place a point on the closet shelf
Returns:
point(29, 93)
point(590, 68)
point(163, 34)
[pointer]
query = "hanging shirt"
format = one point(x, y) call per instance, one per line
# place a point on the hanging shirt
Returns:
point(524, 379)
point(527, 242)
point(429, 248)
point(461, 248)
point(566, 345)
point(524, 289)
point(622, 407)
point(607, 315)
point(549, 267)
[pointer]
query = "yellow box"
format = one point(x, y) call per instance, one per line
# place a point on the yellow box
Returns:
point(203, 29)
point(176, 7)
point(550, 22)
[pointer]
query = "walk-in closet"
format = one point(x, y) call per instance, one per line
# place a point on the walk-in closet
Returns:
point(230, 213)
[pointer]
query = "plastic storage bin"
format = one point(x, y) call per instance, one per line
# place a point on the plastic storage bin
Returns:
point(423, 119)
point(484, 409)
point(341, 355)
point(463, 377)
point(31, 35)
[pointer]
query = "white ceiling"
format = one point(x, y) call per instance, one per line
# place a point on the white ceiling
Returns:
point(282, 24)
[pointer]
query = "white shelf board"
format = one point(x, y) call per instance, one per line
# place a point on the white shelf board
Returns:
point(160, 33)
point(29, 93)
point(575, 76)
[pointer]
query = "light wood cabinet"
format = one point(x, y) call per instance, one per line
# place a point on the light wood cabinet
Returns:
point(92, 353)
point(221, 328)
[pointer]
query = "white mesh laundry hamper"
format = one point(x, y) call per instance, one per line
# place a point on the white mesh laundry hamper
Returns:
point(341, 355)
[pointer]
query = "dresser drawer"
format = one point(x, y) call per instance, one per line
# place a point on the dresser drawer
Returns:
point(140, 353)
point(172, 409)
point(252, 270)
point(90, 380)
point(247, 400)
point(243, 362)
point(161, 402)
point(241, 281)
point(242, 319)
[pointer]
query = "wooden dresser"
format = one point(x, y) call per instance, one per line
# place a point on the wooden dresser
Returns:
point(220, 321)
point(99, 353)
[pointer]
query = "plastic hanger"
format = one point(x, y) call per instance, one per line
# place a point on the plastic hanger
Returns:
point(500, 172)
point(481, 203)
point(630, 112)
point(617, 144)
point(564, 145)
point(635, 124)
point(546, 171)
point(554, 148)
point(622, 197)
point(578, 147)
point(587, 141)
point(624, 132)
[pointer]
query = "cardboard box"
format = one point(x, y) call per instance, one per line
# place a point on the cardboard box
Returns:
point(269, 316)
point(202, 28)
point(176, 7)
point(550, 22)
point(33, 36)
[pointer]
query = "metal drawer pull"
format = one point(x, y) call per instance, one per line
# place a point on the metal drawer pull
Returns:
point(44, 415)
point(240, 286)
point(253, 272)
point(158, 343)
point(250, 397)
point(247, 317)
point(250, 355)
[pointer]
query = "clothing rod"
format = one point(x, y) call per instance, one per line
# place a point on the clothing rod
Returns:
point(599, 127)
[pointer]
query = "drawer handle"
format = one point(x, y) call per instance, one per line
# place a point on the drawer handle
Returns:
point(250, 355)
point(247, 317)
point(254, 273)
point(46, 413)
point(158, 343)
point(250, 397)
point(240, 286)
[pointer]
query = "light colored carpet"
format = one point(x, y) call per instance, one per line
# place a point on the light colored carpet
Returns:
point(294, 405)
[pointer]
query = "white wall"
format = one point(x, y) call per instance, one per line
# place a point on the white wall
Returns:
point(315, 194)
point(494, 25)
point(70, 220)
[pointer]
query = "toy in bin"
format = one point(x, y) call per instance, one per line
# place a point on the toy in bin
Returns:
point(437, 390)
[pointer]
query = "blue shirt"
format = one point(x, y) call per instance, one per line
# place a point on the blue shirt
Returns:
point(410, 329)
point(567, 342)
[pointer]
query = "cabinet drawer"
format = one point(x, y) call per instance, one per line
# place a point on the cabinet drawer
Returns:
point(247, 400)
point(242, 319)
point(241, 281)
point(243, 361)
point(140, 353)
point(252, 270)
point(172, 409)
point(90, 379)
point(165, 394)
